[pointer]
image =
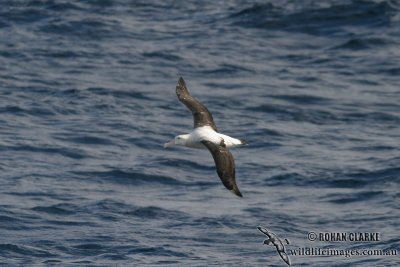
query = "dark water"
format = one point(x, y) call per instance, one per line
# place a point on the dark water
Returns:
point(87, 98)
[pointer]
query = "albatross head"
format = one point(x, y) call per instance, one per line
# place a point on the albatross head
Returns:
point(179, 140)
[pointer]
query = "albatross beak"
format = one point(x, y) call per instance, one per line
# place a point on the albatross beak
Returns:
point(170, 143)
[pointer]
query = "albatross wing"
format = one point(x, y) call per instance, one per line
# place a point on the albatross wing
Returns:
point(225, 165)
point(201, 115)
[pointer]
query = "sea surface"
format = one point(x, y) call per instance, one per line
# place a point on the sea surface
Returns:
point(87, 99)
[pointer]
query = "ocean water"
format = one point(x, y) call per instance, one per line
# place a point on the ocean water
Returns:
point(87, 99)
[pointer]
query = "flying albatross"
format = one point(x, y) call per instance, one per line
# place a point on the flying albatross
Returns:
point(206, 135)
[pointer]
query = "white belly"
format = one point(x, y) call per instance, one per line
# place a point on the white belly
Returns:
point(207, 133)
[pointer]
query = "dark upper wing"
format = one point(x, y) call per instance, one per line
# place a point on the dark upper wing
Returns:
point(284, 257)
point(264, 231)
point(201, 115)
point(225, 165)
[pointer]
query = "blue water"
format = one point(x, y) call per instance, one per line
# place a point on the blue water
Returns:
point(87, 98)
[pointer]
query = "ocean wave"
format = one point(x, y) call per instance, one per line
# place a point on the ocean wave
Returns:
point(12, 250)
point(58, 209)
point(348, 198)
point(363, 43)
point(131, 177)
point(318, 21)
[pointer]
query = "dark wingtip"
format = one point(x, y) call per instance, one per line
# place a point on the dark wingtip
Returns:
point(236, 192)
point(181, 81)
point(181, 87)
point(243, 141)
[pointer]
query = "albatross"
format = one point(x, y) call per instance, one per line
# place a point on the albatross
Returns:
point(205, 135)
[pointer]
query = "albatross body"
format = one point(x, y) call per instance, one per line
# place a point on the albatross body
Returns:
point(206, 135)
point(199, 134)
